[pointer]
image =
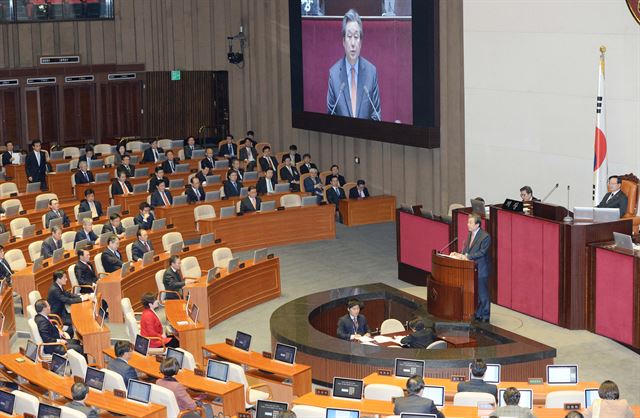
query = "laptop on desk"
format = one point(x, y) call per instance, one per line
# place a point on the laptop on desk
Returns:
point(623, 241)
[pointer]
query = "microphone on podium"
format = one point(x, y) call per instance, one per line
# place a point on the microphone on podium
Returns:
point(333, 109)
point(550, 191)
point(448, 244)
point(568, 218)
point(366, 90)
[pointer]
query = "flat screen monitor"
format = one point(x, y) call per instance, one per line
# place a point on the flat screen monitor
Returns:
point(435, 393)
point(590, 395)
point(270, 409)
point(285, 353)
point(159, 224)
point(217, 370)
point(142, 345)
point(233, 264)
point(347, 388)
point(342, 413)
point(58, 364)
point(63, 168)
point(242, 341)
point(492, 375)
point(267, 206)
point(138, 391)
point(57, 255)
point(6, 402)
point(83, 215)
point(221, 164)
point(81, 244)
point(407, 368)
point(5, 237)
point(227, 211)
point(213, 179)
point(559, 374)
point(33, 187)
point(141, 172)
point(606, 214)
point(415, 415)
point(94, 378)
point(309, 201)
point(140, 188)
point(28, 231)
point(48, 411)
point(207, 238)
point(31, 351)
point(193, 313)
point(526, 398)
point(176, 248)
point(623, 241)
point(259, 255)
point(113, 209)
point(147, 258)
point(180, 200)
point(210, 196)
point(102, 177)
point(176, 354)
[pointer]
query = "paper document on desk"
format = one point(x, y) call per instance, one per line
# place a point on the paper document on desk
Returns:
point(370, 342)
point(364, 339)
point(382, 339)
point(398, 338)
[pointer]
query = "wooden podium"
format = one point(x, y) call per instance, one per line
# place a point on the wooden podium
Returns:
point(452, 288)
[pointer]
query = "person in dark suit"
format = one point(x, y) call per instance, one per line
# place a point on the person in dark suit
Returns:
point(476, 382)
point(114, 226)
point(6, 157)
point(353, 81)
point(249, 155)
point(83, 176)
point(157, 179)
point(235, 166)
point(420, 336)
point(268, 161)
point(293, 154)
point(54, 242)
point(252, 202)
point(290, 174)
point(173, 279)
point(169, 368)
point(229, 149)
point(267, 184)
point(414, 402)
point(121, 185)
point(79, 392)
point(126, 166)
point(152, 154)
point(111, 257)
point(144, 219)
point(313, 185)
point(54, 213)
point(195, 192)
point(169, 165)
point(360, 191)
point(123, 350)
point(615, 198)
point(161, 197)
point(526, 194)
point(141, 246)
point(90, 204)
point(88, 156)
point(5, 268)
point(307, 165)
point(59, 298)
point(85, 271)
point(353, 325)
point(335, 172)
point(335, 193)
point(86, 232)
point(49, 333)
point(202, 175)
point(511, 409)
point(232, 186)
point(190, 147)
point(36, 165)
point(208, 160)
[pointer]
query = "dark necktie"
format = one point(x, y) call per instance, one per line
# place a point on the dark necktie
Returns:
point(117, 253)
point(86, 176)
point(146, 244)
point(197, 193)
point(355, 324)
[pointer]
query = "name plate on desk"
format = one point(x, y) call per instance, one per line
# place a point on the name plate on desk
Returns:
point(243, 415)
point(458, 378)
point(228, 341)
point(198, 372)
point(513, 205)
point(322, 392)
point(384, 372)
point(573, 406)
point(119, 393)
point(535, 381)
point(267, 354)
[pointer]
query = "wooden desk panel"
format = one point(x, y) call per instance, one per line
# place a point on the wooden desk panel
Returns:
point(28, 200)
point(372, 210)
point(60, 184)
point(9, 328)
point(94, 339)
point(365, 406)
point(17, 175)
point(35, 216)
point(191, 334)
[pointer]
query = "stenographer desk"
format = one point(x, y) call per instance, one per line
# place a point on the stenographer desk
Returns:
point(94, 338)
point(371, 210)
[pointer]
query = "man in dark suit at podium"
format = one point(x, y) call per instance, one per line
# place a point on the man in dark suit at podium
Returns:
point(615, 198)
point(353, 325)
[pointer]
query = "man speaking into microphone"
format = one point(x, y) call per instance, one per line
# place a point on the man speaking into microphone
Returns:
point(353, 81)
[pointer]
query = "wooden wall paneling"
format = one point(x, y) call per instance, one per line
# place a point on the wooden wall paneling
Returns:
point(68, 36)
point(109, 33)
point(4, 47)
point(10, 127)
point(47, 41)
point(126, 33)
point(25, 49)
point(96, 46)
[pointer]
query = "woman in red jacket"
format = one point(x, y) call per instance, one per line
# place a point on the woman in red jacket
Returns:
point(150, 325)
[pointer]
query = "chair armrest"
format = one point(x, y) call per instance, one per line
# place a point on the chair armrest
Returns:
point(56, 320)
point(160, 293)
point(159, 339)
point(42, 345)
point(262, 385)
point(199, 410)
point(100, 275)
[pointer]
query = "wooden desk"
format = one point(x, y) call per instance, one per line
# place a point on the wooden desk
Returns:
point(372, 210)
point(9, 330)
point(237, 291)
point(60, 184)
point(17, 175)
point(35, 216)
point(290, 226)
point(365, 406)
point(37, 375)
point(94, 339)
point(299, 375)
point(101, 191)
point(28, 200)
point(232, 393)
point(191, 334)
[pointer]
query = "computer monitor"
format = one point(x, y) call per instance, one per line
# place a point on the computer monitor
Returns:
point(416, 415)
point(180, 200)
point(215, 178)
point(113, 209)
point(342, 413)
point(159, 224)
point(57, 255)
point(242, 341)
point(34, 187)
point(233, 264)
point(11, 210)
point(28, 231)
point(211, 274)
point(176, 248)
point(526, 398)
point(142, 345)
point(57, 155)
point(251, 175)
point(347, 388)
point(267, 206)
point(492, 375)
point(140, 188)
point(435, 393)
point(5, 237)
point(141, 172)
point(193, 313)
point(266, 409)
point(96, 164)
point(130, 231)
point(94, 378)
point(7, 400)
point(207, 238)
point(176, 354)
point(407, 368)
point(81, 244)
point(58, 364)
point(244, 192)
point(309, 201)
point(558, 374)
point(182, 168)
point(590, 395)
point(124, 270)
point(63, 168)
point(285, 353)
point(606, 214)
point(147, 258)
point(31, 351)
point(102, 177)
point(221, 164)
point(217, 370)
point(211, 196)
point(583, 213)
point(282, 188)
point(259, 255)
point(623, 241)
point(197, 153)
point(48, 411)
point(227, 211)
point(138, 391)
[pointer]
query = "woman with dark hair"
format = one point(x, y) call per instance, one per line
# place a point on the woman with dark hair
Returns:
point(121, 150)
point(169, 368)
point(150, 325)
point(609, 405)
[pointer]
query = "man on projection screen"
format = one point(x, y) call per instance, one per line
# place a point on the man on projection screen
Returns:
point(353, 81)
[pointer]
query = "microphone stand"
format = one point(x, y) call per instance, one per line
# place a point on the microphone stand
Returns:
point(568, 218)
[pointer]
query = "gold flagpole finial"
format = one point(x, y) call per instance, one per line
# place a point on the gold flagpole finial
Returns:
point(603, 49)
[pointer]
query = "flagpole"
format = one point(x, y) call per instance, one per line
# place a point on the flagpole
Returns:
point(600, 164)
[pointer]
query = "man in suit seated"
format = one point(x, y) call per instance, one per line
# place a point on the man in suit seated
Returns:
point(232, 186)
point(476, 382)
point(229, 149)
point(123, 351)
point(208, 160)
point(86, 232)
point(59, 298)
point(79, 392)
point(152, 154)
point(526, 194)
point(49, 333)
point(54, 242)
point(202, 175)
point(353, 325)
point(54, 213)
point(111, 257)
point(35, 165)
point(335, 193)
point(615, 198)
point(335, 172)
point(251, 136)
point(360, 191)
point(268, 161)
point(169, 166)
point(190, 147)
point(313, 185)
point(414, 401)
point(249, 155)
point(173, 279)
point(121, 185)
point(293, 154)
point(267, 184)
point(6, 158)
point(114, 226)
point(252, 202)
point(90, 204)
point(195, 192)
point(88, 155)
point(420, 336)
point(5, 268)
point(157, 179)
point(141, 246)
point(235, 166)
point(85, 271)
point(290, 174)
point(83, 176)
point(144, 219)
point(161, 197)
point(307, 165)
point(511, 409)
point(126, 166)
